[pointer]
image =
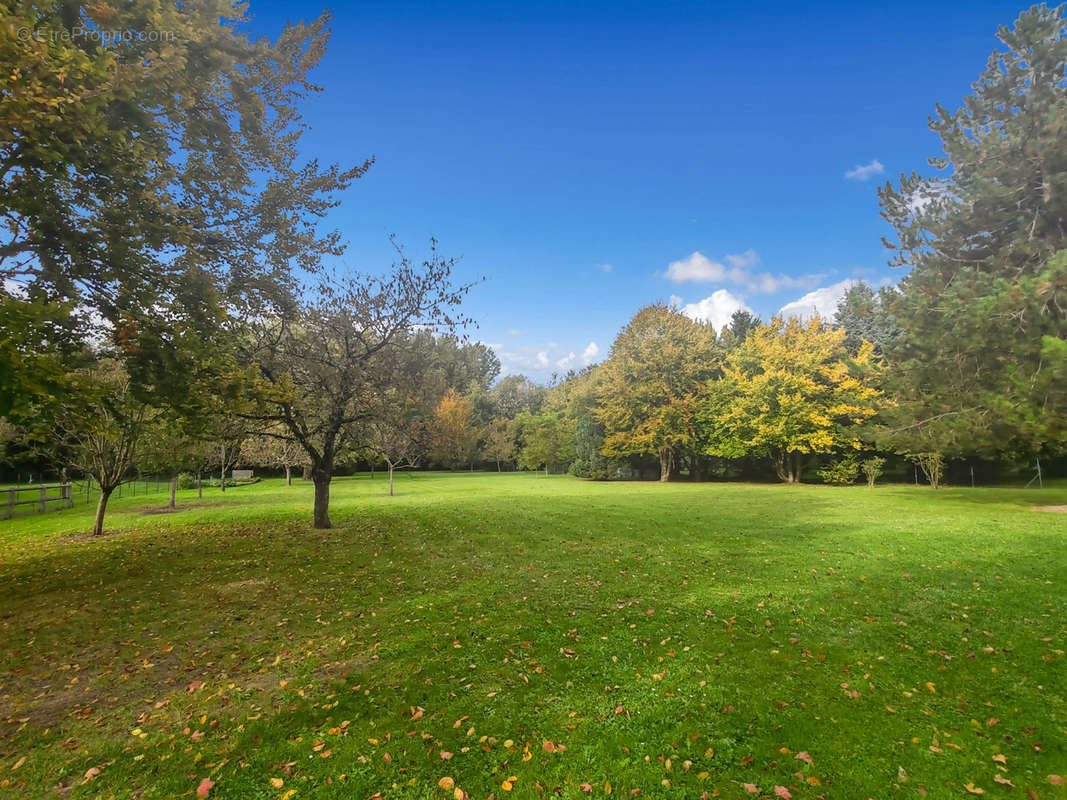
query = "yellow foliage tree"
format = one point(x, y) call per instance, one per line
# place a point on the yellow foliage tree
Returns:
point(789, 390)
point(648, 387)
point(453, 435)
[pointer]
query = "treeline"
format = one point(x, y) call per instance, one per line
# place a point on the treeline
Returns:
point(965, 358)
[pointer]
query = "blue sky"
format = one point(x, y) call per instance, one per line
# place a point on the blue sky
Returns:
point(588, 159)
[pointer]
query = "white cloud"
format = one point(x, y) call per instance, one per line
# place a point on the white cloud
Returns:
point(515, 332)
point(717, 308)
point(591, 351)
point(604, 267)
point(698, 268)
point(862, 172)
point(821, 302)
point(695, 267)
point(542, 359)
point(744, 260)
point(566, 361)
point(675, 301)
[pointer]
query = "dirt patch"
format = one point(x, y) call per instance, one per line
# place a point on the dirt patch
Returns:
point(149, 511)
point(89, 536)
point(1053, 509)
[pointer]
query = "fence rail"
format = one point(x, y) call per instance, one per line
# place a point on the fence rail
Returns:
point(39, 500)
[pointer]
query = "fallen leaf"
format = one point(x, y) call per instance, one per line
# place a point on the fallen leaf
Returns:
point(970, 787)
point(751, 788)
point(805, 757)
point(204, 789)
point(1055, 780)
point(277, 783)
point(782, 792)
point(446, 783)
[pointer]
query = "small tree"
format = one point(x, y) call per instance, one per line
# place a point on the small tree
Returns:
point(316, 362)
point(932, 465)
point(274, 448)
point(872, 469)
point(498, 442)
point(101, 429)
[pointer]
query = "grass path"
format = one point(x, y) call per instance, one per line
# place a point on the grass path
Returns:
point(523, 636)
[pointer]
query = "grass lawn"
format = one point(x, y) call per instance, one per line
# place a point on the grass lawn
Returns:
point(526, 636)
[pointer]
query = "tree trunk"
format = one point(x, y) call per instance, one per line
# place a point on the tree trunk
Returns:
point(498, 466)
point(781, 466)
point(390, 480)
point(797, 466)
point(322, 498)
point(173, 489)
point(305, 475)
point(288, 475)
point(101, 507)
point(666, 461)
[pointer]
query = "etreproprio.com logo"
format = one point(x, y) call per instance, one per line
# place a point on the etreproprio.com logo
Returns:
point(97, 35)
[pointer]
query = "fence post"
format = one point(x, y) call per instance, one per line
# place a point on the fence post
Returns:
point(68, 496)
point(44, 497)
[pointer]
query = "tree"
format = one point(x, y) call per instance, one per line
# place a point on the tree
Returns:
point(139, 168)
point(401, 429)
point(169, 448)
point(101, 429)
point(547, 440)
point(788, 391)
point(515, 393)
point(453, 433)
point(588, 442)
point(861, 314)
point(981, 314)
point(317, 368)
point(498, 441)
point(275, 450)
point(648, 386)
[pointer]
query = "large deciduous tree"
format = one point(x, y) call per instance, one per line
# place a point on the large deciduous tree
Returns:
point(789, 390)
point(648, 386)
point(156, 178)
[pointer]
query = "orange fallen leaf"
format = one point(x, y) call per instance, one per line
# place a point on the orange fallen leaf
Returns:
point(446, 783)
point(204, 789)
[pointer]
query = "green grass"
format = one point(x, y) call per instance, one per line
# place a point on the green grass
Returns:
point(701, 635)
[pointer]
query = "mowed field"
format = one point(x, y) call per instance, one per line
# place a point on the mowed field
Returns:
point(521, 636)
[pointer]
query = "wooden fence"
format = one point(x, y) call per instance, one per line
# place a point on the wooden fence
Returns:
point(39, 498)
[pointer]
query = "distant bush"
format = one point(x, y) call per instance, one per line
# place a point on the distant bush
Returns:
point(872, 469)
point(186, 481)
point(841, 473)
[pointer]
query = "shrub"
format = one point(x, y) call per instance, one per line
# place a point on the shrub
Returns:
point(872, 468)
point(840, 473)
point(186, 481)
